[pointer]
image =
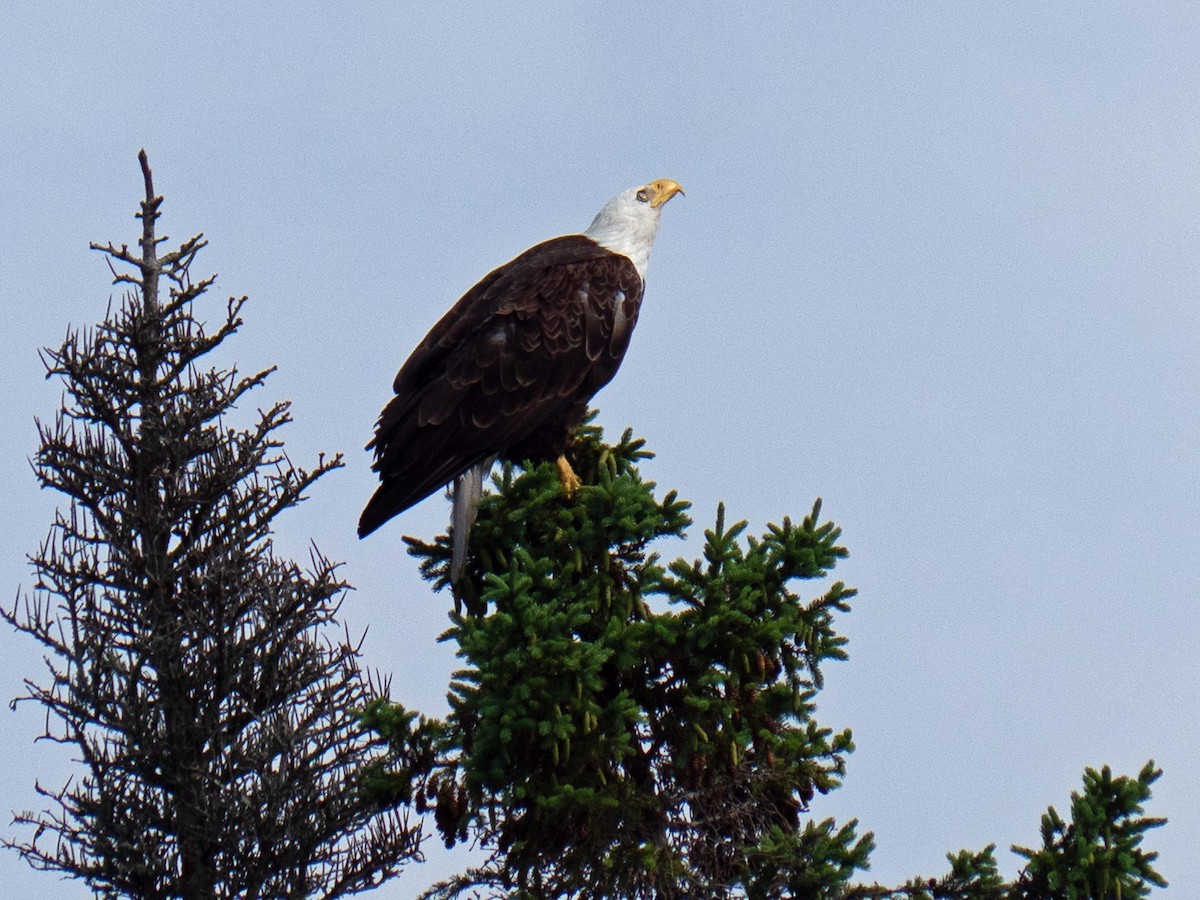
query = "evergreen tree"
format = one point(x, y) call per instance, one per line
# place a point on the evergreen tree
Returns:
point(1099, 853)
point(1097, 856)
point(624, 729)
point(191, 668)
point(621, 729)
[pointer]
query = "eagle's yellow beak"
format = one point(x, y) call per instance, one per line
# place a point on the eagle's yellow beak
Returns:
point(662, 190)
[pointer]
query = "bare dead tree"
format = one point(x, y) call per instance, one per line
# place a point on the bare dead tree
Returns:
point(202, 680)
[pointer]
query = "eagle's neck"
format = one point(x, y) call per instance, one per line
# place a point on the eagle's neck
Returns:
point(628, 235)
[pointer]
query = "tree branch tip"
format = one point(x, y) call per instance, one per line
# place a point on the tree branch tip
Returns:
point(148, 178)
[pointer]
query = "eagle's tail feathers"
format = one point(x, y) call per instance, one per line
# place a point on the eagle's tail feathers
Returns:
point(468, 488)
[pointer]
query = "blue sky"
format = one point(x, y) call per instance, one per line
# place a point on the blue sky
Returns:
point(937, 264)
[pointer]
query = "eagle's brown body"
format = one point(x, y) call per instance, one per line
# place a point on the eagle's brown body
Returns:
point(507, 372)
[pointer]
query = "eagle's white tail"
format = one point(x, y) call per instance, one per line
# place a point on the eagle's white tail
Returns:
point(468, 488)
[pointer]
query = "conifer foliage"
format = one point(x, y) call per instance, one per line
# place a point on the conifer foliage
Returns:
point(1098, 853)
point(189, 667)
point(624, 728)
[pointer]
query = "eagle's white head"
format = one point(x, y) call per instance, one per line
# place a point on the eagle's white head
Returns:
point(628, 223)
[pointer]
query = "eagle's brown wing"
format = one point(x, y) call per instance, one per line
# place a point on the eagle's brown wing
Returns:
point(507, 372)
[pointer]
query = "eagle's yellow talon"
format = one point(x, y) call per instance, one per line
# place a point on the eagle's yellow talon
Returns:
point(570, 481)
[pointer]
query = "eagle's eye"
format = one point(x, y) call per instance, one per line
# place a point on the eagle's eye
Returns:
point(642, 195)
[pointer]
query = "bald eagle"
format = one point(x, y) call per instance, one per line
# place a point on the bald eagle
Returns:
point(508, 372)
